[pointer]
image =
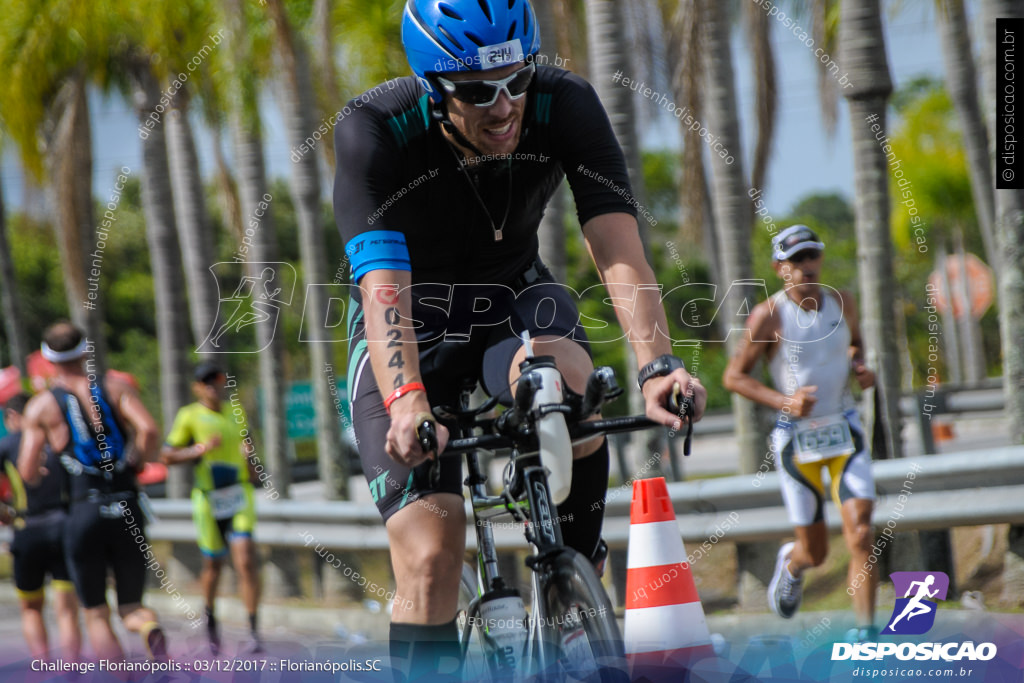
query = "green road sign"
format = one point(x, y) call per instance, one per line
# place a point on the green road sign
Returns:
point(300, 413)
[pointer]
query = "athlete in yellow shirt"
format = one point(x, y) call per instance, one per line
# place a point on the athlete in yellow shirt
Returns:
point(210, 434)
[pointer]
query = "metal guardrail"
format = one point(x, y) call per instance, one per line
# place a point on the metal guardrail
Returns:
point(986, 397)
point(949, 490)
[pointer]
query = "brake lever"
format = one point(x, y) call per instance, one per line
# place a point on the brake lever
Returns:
point(683, 405)
point(426, 432)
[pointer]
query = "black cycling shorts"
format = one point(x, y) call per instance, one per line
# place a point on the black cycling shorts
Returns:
point(38, 550)
point(484, 353)
point(101, 537)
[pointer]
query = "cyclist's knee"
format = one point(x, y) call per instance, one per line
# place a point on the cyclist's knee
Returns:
point(572, 360)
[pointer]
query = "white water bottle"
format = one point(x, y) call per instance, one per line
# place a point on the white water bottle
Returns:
point(555, 446)
point(503, 617)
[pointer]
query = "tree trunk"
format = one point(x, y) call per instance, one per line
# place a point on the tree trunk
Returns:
point(950, 333)
point(733, 213)
point(1009, 229)
point(299, 110)
point(961, 81)
point(70, 171)
point(165, 259)
point(552, 234)
point(194, 227)
point(862, 51)
point(1009, 234)
point(608, 54)
point(327, 69)
point(759, 37)
point(252, 189)
point(13, 324)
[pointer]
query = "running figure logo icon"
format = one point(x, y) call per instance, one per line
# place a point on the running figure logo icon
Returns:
point(262, 290)
point(914, 613)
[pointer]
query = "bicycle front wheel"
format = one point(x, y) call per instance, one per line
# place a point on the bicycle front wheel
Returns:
point(578, 628)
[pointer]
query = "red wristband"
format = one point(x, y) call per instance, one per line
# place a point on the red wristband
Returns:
point(402, 391)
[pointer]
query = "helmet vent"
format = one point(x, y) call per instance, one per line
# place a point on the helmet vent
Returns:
point(485, 7)
point(512, 3)
point(511, 31)
point(448, 11)
point(450, 37)
point(475, 38)
point(526, 20)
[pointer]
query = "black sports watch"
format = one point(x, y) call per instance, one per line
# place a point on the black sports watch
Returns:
point(659, 367)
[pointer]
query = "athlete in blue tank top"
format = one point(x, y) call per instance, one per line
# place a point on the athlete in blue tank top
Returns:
point(84, 419)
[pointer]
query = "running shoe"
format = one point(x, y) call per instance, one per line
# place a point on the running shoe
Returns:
point(862, 634)
point(156, 644)
point(254, 646)
point(213, 634)
point(785, 591)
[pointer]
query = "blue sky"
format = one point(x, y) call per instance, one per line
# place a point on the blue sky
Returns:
point(804, 159)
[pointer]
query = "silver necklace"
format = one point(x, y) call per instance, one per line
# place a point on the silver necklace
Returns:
point(497, 230)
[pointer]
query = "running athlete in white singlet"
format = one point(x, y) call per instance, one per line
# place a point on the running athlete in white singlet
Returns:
point(809, 334)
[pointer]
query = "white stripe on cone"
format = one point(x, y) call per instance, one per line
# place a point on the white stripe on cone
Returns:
point(669, 627)
point(654, 544)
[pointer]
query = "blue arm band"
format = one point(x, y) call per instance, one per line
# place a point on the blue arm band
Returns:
point(377, 250)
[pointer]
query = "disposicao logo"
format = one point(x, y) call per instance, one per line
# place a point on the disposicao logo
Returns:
point(913, 615)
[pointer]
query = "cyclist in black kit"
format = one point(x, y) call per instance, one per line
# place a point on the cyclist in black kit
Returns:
point(442, 181)
point(85, 420)
point(37, 515)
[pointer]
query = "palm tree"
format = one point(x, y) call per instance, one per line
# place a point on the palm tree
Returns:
point(174, 32)
point(247, 138)
point(552, 233)
point(9, 300)
point(44, 107)
point(733, 210)
point(329, 93)
point(299, 114)
point(961, 81)
point(195, 235)
point(607, 41)
point(862, 52)
point(1009, 233)
point(762, 58)
point(165, 257)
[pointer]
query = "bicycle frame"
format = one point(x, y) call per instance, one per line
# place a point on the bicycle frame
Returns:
point(526, 495)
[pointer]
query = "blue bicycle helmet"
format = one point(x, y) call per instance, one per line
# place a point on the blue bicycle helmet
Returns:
point(466, 35)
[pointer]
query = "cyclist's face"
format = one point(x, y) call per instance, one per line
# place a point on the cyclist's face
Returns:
point(494, 129)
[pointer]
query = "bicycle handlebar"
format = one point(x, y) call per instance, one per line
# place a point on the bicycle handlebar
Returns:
point(601, 386)
point(582, 430)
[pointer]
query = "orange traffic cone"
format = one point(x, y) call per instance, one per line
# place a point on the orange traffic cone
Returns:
point(665, 627)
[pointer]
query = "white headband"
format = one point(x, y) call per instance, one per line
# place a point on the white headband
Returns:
point(64, 356)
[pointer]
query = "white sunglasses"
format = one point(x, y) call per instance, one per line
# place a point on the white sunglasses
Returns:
point(485, 93)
